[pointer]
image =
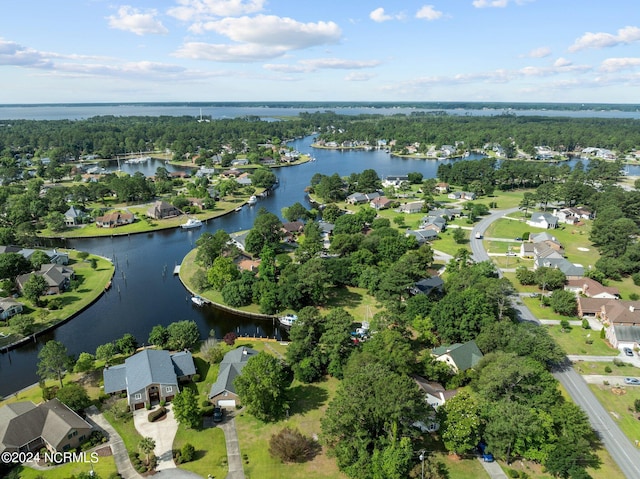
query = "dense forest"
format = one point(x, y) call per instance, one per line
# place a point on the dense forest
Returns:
point(108, 136)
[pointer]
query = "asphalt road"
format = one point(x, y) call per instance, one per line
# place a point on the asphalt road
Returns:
point(621, 449)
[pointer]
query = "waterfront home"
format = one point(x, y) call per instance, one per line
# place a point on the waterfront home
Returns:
point(223, 391)
point(161, 210)
point(149, 376)
point(394, 180)
point(25, 427)
point(57, 277)
point(359, 198)
point(9, 307)
point(115, 219)
point(74, 216)
point(239, 239)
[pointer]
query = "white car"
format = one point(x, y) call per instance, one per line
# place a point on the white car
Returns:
point(632, 381)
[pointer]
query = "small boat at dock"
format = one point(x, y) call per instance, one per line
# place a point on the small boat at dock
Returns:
point(252, 200)
point(287, 320)
point(198, 300)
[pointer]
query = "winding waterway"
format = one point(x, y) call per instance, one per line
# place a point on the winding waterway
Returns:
point(144, 291)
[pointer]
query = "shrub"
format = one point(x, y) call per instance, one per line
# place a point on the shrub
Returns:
point(163, 403)
point(636, 405)
point(607, 369)
point(290, 445)
point(585, 324)
point(230, 338)
point(513, 473)
point(634, 297)
point(603, 333)
point(157, 414)
point(148, 406)
point(196, 378)
point(188, 452)
point(618, 362)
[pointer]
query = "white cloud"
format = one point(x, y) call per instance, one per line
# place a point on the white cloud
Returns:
point(605, 40)
point(12, 53)
point(562, 62)
point(237, 53)
point(379, 15)
point(273, 31)
point(616, 64)
point(358, 76)
point(189, 10)
point(428, 12)
point(133, 20)
point(540, 52)
point(306, 66)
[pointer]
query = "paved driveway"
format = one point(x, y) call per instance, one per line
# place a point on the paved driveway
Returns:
point(163, 432)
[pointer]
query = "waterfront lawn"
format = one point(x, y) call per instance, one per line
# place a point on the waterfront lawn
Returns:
point(104, 467)
point(90, 285)
point(575, 340)
point(211, 450)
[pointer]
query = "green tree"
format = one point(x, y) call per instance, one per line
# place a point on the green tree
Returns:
point(262, 386)
point(127, 344)
point(84, 363)
point(222, 271)
point(35, 287)
point(183, 334)
point(210, 246)
point(563, 302)
point(146, 447)
point(394, 461)
point(22, 324)
point(53, 361)
point(458, 236)
point(159, 336)
point(295, 212)
point(106, 352)
point(38, 258)
point(74, 396)
point(185, 408)
point(266, 231)
point(460, 423)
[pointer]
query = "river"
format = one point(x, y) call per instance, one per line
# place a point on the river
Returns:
point(144, 291)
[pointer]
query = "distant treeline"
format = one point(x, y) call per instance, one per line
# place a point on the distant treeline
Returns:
point(108, 136)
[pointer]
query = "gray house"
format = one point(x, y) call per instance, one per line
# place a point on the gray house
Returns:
point(27, 427)
point(223, 391)
point(149, 376)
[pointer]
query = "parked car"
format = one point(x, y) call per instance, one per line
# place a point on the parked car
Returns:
point(628, 351)
point(632, 381)
point(518, 238)
point(487, 457)
point(217, 414)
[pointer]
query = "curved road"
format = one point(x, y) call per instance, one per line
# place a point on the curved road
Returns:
point(623, 452)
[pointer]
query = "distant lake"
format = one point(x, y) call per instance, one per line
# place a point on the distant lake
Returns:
point(84, 111)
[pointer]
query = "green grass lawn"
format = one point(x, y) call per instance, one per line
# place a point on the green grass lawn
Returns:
point(598, 367)
point(620, 407)
point(104, 467)
point(574, 341)
point(211, 450)
point(127, 430)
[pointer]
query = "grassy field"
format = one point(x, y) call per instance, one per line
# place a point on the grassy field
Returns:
point(574, 341)
point(211, 450)
point(104, 467)
point(598, 367)
point(620, 405)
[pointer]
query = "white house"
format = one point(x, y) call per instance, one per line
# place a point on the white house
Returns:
point(543, 220)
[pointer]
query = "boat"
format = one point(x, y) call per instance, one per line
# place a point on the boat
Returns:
point(198, 300)
point(191, 223)
point(287, 320)
point(252, 200)
point(239, 208)
point(141, 159)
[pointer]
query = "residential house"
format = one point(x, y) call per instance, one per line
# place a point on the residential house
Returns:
point(380, 203)
point(442, 188)
point(55, 256)
point(623, 321)
point(114, 219)
point(240, 162)
point(431, 285)
point(291, 229)
point(411, 207)
point(74, 216)
point(543, 220)
point(326, 230)
point(548, 239)
point(25, 427)
point(149, 376)
point(239, 239)
point(58, 278)
point(223, 392)
point(436, 223)
point(571, 270)
point(422, 235)
point(435, 395)
point(247, 263)
point(9, 307)
point(459, 357)
point(592, 289)
point(161, 210)
point(572, 215)
point(447, 213)
point(359, 198)
point(462, 195)
point(394, 180)
point(204, 171)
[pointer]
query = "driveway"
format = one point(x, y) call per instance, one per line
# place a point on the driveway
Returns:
point(163, 432)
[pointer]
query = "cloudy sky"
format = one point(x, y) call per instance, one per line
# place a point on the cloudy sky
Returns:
point(347, 50)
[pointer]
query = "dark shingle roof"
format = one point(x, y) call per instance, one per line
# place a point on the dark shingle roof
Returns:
point(230, 368)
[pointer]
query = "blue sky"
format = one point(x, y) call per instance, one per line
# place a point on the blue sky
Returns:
point(325, 50)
